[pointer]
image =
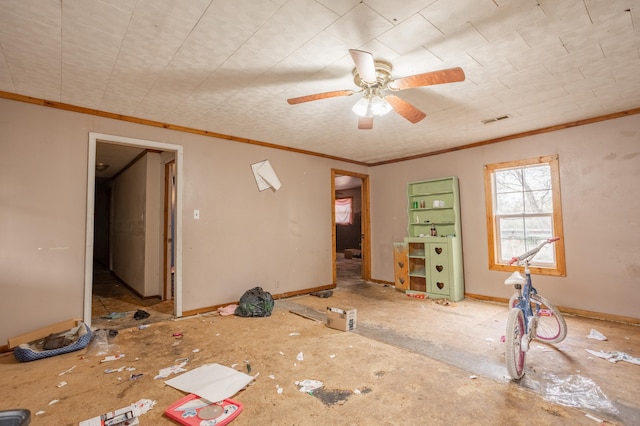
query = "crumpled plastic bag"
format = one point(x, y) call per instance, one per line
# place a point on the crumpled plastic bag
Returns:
point(255, 303)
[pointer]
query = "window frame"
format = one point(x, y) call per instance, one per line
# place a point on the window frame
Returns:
point(559, 269)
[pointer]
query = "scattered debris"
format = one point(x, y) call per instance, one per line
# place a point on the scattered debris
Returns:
point(114, 315)
point(140, 314)
point(177, 335)
point(417, 295)
point(114, 370)
point(67, 371)
point(174, 369)
point(295, 333)
point(127, 415)
point(112, 358)
point(300, 356)
point(227, 310)
point(143, 326)
point(445, 302)
point(195, 351)
point(322, 294)
point(300, 314)
point(39, 413)
point(615, 356)
point(61, 384)
point(594, 418)
point(136, 376)
point(309, 385)
point(473, 377)
point(594, 334)
point(576, 391)
point(55, 401)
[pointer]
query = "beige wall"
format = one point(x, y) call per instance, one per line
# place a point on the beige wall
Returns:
point(244, 238)
point(282, 240)
point(600, 184)
point(137, 225)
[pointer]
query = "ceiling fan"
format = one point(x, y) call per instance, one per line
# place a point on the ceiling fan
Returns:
point(373, 77)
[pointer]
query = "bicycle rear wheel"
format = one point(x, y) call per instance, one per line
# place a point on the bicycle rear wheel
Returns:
point(515, 356)
point(551, 327)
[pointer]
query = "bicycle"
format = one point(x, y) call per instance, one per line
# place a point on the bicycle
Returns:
point(530, 315)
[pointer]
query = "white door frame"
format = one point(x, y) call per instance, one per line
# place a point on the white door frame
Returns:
point(91, 177)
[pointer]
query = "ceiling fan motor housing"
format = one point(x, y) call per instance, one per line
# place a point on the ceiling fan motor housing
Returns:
point(383, 75)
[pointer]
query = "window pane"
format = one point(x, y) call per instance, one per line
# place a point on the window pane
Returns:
point(343, 211)
point(509, 203)
point(512, 237)
point(538, 177)
point(538, 202)
point(508, 180)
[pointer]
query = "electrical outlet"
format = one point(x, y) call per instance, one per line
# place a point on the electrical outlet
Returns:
point(196, 214)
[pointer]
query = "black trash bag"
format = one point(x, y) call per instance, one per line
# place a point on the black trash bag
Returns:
point(255, 303)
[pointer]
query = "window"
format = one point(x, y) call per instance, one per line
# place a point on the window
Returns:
point(523, 208)
point(344, 211)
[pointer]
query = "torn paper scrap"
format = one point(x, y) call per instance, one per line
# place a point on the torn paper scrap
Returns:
point(595, 334)
point(615, 356)
point(309, 385)
point(213, 382)
point(174, 369)
point(265, 176)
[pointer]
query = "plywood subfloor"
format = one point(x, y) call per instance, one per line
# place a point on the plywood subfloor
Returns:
point(408, 362)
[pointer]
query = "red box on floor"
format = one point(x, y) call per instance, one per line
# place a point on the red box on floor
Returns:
point(194, 411)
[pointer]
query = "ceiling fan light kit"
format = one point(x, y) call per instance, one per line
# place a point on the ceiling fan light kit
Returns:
point(374, 78)
point(372, 105)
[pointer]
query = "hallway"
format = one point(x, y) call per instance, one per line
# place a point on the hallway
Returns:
point(114, 304)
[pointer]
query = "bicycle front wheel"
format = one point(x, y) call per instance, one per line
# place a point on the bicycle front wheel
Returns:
point(515, 356)
point(551, 327)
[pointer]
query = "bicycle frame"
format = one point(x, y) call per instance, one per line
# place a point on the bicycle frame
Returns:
point(524, 302)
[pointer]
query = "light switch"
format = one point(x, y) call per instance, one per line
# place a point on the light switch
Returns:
point(196, 214)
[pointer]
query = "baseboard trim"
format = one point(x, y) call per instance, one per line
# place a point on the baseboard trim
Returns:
point(570, 311)
point(275, 296)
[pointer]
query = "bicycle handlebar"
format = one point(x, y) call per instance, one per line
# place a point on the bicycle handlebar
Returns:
point(533, 251)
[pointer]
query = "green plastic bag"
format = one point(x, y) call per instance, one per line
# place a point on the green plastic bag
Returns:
point(255, 303)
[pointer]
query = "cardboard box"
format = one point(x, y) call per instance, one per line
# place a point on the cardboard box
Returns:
point(342, 318)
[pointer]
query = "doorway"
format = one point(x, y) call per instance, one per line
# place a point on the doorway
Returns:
point(168, 230)
point(354, 186)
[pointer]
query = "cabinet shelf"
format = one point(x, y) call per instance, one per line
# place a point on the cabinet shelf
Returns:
point(432, 264)
point(425, 194)
point(419, 209)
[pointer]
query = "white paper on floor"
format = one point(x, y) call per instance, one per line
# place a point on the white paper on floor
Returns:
point(615, 356)
point(213, 382)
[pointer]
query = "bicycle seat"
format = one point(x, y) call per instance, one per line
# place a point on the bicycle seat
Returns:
point(515, 278)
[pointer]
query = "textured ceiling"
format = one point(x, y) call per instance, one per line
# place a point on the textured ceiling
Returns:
point(228, 66)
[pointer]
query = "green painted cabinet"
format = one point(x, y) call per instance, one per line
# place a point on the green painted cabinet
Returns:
point(434, 244)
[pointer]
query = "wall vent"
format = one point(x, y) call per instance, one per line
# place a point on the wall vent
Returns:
point(494, 119)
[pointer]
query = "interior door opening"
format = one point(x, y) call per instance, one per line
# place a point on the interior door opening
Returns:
point(350, 225)
point(162, 274)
